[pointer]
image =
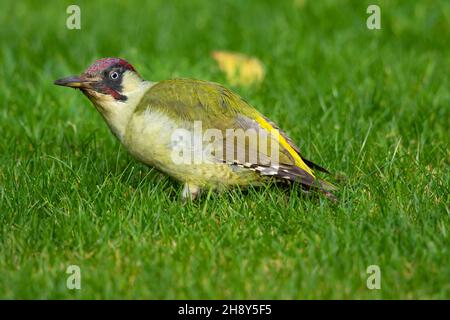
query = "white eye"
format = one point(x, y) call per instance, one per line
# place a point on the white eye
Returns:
point(113, 75)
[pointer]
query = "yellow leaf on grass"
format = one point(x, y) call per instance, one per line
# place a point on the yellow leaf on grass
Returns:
point(299, 3)
point(239, 69)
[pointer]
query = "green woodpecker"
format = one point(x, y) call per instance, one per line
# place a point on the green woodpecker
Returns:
point(198, 132)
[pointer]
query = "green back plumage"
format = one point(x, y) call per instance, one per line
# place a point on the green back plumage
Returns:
point(188, 99)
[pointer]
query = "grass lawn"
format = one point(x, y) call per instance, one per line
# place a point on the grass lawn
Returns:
point(372, 106)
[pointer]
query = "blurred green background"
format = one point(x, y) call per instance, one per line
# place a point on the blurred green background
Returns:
point(372, 106)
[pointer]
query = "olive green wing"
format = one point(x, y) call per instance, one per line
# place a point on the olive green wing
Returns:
point(189, 100)
point(296, 149)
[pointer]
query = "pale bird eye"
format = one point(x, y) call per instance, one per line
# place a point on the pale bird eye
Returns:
point(114, 75)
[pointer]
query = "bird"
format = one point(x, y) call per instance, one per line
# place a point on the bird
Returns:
point(192, 131)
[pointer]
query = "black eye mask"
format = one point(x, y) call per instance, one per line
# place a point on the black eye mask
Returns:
point(112, 86)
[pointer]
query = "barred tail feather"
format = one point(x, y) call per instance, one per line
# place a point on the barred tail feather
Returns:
point(294, 174)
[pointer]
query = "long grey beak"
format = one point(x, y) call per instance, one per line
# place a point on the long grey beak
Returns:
point(78, 82)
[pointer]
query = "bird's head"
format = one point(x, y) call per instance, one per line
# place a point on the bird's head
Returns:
point(105, 80)
point(113, 86)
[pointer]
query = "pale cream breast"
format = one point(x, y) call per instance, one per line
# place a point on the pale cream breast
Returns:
point(150, 139)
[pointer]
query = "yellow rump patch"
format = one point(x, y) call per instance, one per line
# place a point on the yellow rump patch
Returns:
point(298, 160)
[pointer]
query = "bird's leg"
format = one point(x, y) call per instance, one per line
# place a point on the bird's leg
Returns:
point(190, 191)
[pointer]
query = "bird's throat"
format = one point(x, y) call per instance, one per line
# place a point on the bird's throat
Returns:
point(116, 112)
